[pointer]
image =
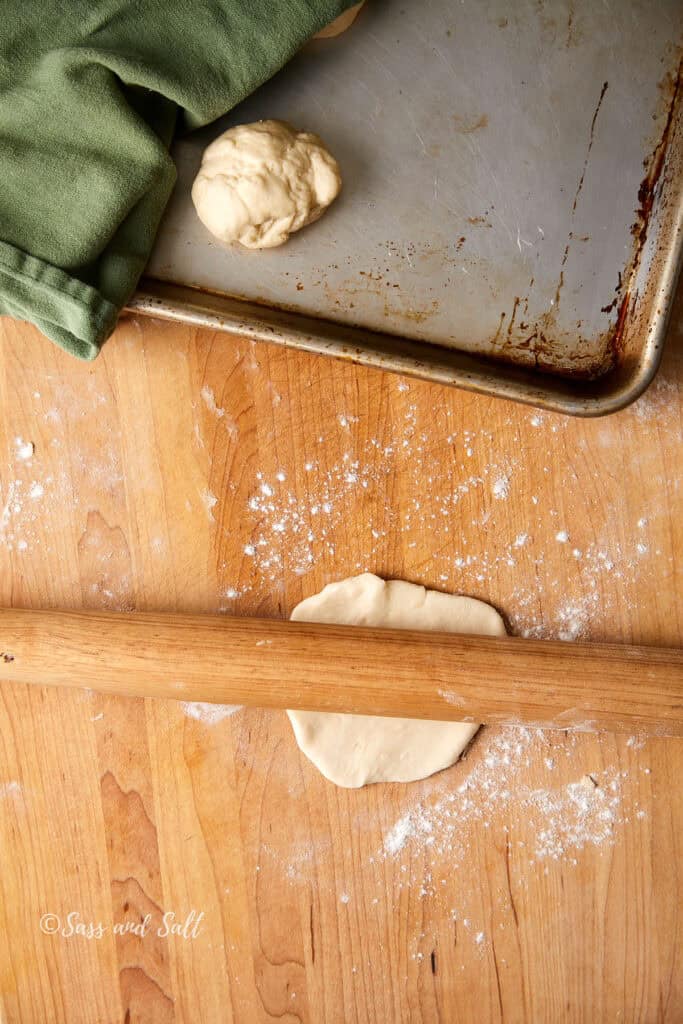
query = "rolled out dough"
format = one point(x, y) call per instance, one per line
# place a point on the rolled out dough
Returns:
point(353, 750)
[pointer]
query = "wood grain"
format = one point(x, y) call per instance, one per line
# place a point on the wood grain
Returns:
point(148, 491)
point(348, 669)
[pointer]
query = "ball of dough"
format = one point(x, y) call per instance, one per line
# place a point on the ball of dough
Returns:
point(260, 182)
point(353, 750)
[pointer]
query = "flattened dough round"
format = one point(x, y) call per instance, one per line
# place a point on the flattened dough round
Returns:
point(353, 750)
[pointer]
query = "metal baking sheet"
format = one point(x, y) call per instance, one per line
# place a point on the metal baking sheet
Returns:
point(512, 205)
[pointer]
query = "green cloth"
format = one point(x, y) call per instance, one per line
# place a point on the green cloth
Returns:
point(91, 93)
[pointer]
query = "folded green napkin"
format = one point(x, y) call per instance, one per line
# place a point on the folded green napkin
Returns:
point(91, 93)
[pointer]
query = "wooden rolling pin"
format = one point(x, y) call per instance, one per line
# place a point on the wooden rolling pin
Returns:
point(341, 668)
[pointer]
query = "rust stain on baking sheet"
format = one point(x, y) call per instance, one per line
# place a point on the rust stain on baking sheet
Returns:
point(615, 341)
point(419, 316)
point(570, 26)
point(500, 328)
point(515, 307)
point(579, 187)
point(591, 136)
point(615, 301)
point(395, 305)
point(670, 87)
point(648, 185)
point(466, 126)
point(538, 348)
point(594, 357)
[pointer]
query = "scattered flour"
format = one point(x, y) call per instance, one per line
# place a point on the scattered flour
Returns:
point(573, 619)
point(501, 487)
point(577, 815)
point(292, 530)
point(656, 400)
point(209, 501)
point(10, 505)
point(209, 400)
point(228, 423)
point(410, 825)
point(10, 789)
point(450, 697)
point(210, 714)
point(23, 449)
point(20, 522)
point(563, 819)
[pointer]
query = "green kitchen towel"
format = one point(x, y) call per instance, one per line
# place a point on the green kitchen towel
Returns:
point(91, 93)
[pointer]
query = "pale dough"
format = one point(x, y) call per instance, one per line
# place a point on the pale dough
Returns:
point(340, 24)
point(260, 182)
point(353, 750)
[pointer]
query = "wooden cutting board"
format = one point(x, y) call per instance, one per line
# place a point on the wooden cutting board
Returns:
point(183, 471)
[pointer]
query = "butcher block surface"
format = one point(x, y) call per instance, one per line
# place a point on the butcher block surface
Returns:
point(171, 862)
